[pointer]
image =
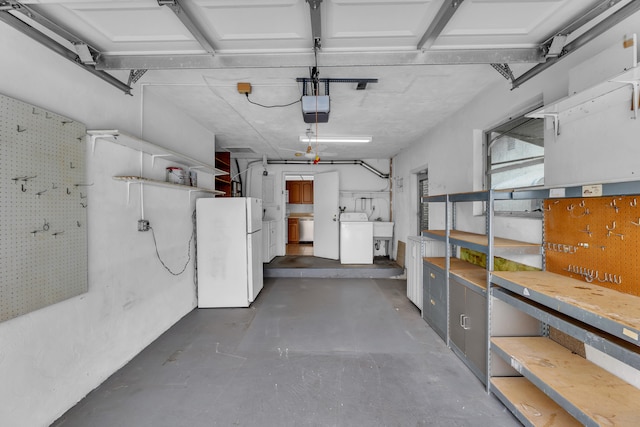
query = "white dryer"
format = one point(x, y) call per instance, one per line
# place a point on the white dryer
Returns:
point(356, 238)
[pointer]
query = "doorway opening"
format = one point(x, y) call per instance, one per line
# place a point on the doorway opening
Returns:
point(299, 198)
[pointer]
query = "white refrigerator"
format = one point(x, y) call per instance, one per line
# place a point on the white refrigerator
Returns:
point(229, 244)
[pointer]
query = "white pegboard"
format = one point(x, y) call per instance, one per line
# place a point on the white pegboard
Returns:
point(43, 199)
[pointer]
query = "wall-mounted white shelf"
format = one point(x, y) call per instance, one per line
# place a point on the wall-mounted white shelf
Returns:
point(146, 181)
point(565, 105)
point(155, 151)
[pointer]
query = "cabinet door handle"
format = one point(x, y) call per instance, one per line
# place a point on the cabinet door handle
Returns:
point(433, 302)
point(464, 322)
point(433, 276)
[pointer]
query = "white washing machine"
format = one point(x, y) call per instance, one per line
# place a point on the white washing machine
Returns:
point(356, 238)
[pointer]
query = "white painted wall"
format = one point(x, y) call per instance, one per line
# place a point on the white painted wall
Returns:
point(51, 358)
point(355, 182)
point(597, 144)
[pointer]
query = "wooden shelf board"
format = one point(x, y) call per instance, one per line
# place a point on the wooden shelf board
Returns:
point(476, 276)
point(588, 392)
point(156, 183)
point(530, 404)
point(454, 263)
point(614, 312)
point(594, 337)
point(481, 239)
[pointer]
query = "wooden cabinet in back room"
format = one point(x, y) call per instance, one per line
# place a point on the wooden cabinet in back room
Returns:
point(294, 236)
point(300, 192)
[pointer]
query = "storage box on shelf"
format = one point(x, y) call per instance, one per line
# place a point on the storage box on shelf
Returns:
point(606, 320)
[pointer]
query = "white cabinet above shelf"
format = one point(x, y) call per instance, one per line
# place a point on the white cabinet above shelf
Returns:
point(153, 150)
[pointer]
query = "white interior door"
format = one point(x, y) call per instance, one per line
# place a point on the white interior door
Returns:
point(325, 215)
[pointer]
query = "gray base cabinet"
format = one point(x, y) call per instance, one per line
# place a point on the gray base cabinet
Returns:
point(434, 302)
point(468, 326)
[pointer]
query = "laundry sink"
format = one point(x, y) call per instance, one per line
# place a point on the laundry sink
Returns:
point(382, 230)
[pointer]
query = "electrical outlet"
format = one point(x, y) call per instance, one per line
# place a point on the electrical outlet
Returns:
point(143, 225)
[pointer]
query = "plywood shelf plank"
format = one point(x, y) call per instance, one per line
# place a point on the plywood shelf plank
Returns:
point(480, 242)
point(529, 404)
point(474, 276)
point(589, 393)
point(454, 263)
point(611, 311)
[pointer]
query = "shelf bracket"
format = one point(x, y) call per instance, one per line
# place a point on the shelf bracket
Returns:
point(634, 86)
point(556, 120)
point(153, 158)
point(93, 138)
point(128, 191)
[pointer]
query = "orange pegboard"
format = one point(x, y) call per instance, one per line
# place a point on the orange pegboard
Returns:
point(595, 240)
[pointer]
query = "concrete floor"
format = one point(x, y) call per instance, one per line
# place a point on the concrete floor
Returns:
point(309, 352)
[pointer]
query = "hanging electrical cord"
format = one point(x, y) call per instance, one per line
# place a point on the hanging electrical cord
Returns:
point(272, 106)
point(193, 233)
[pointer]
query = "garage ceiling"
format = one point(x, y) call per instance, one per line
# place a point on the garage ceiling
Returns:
point(430, 58)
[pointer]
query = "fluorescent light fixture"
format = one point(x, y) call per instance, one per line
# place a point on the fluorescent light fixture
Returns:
point(336, 139)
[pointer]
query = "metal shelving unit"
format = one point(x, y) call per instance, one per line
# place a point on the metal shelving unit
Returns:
point(605, 319)
point(547, 300)
point(474, 281)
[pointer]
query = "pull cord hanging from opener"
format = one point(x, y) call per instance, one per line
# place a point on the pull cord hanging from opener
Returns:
point(316, 90)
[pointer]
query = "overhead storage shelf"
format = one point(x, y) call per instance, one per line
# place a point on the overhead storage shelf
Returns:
point(155, 151)
point(156, 183)
point(631, 77)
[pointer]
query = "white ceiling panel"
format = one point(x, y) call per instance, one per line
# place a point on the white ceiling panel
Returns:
point(117, 27)
point(370, 24)
point(508, 23)
point(255, 26)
